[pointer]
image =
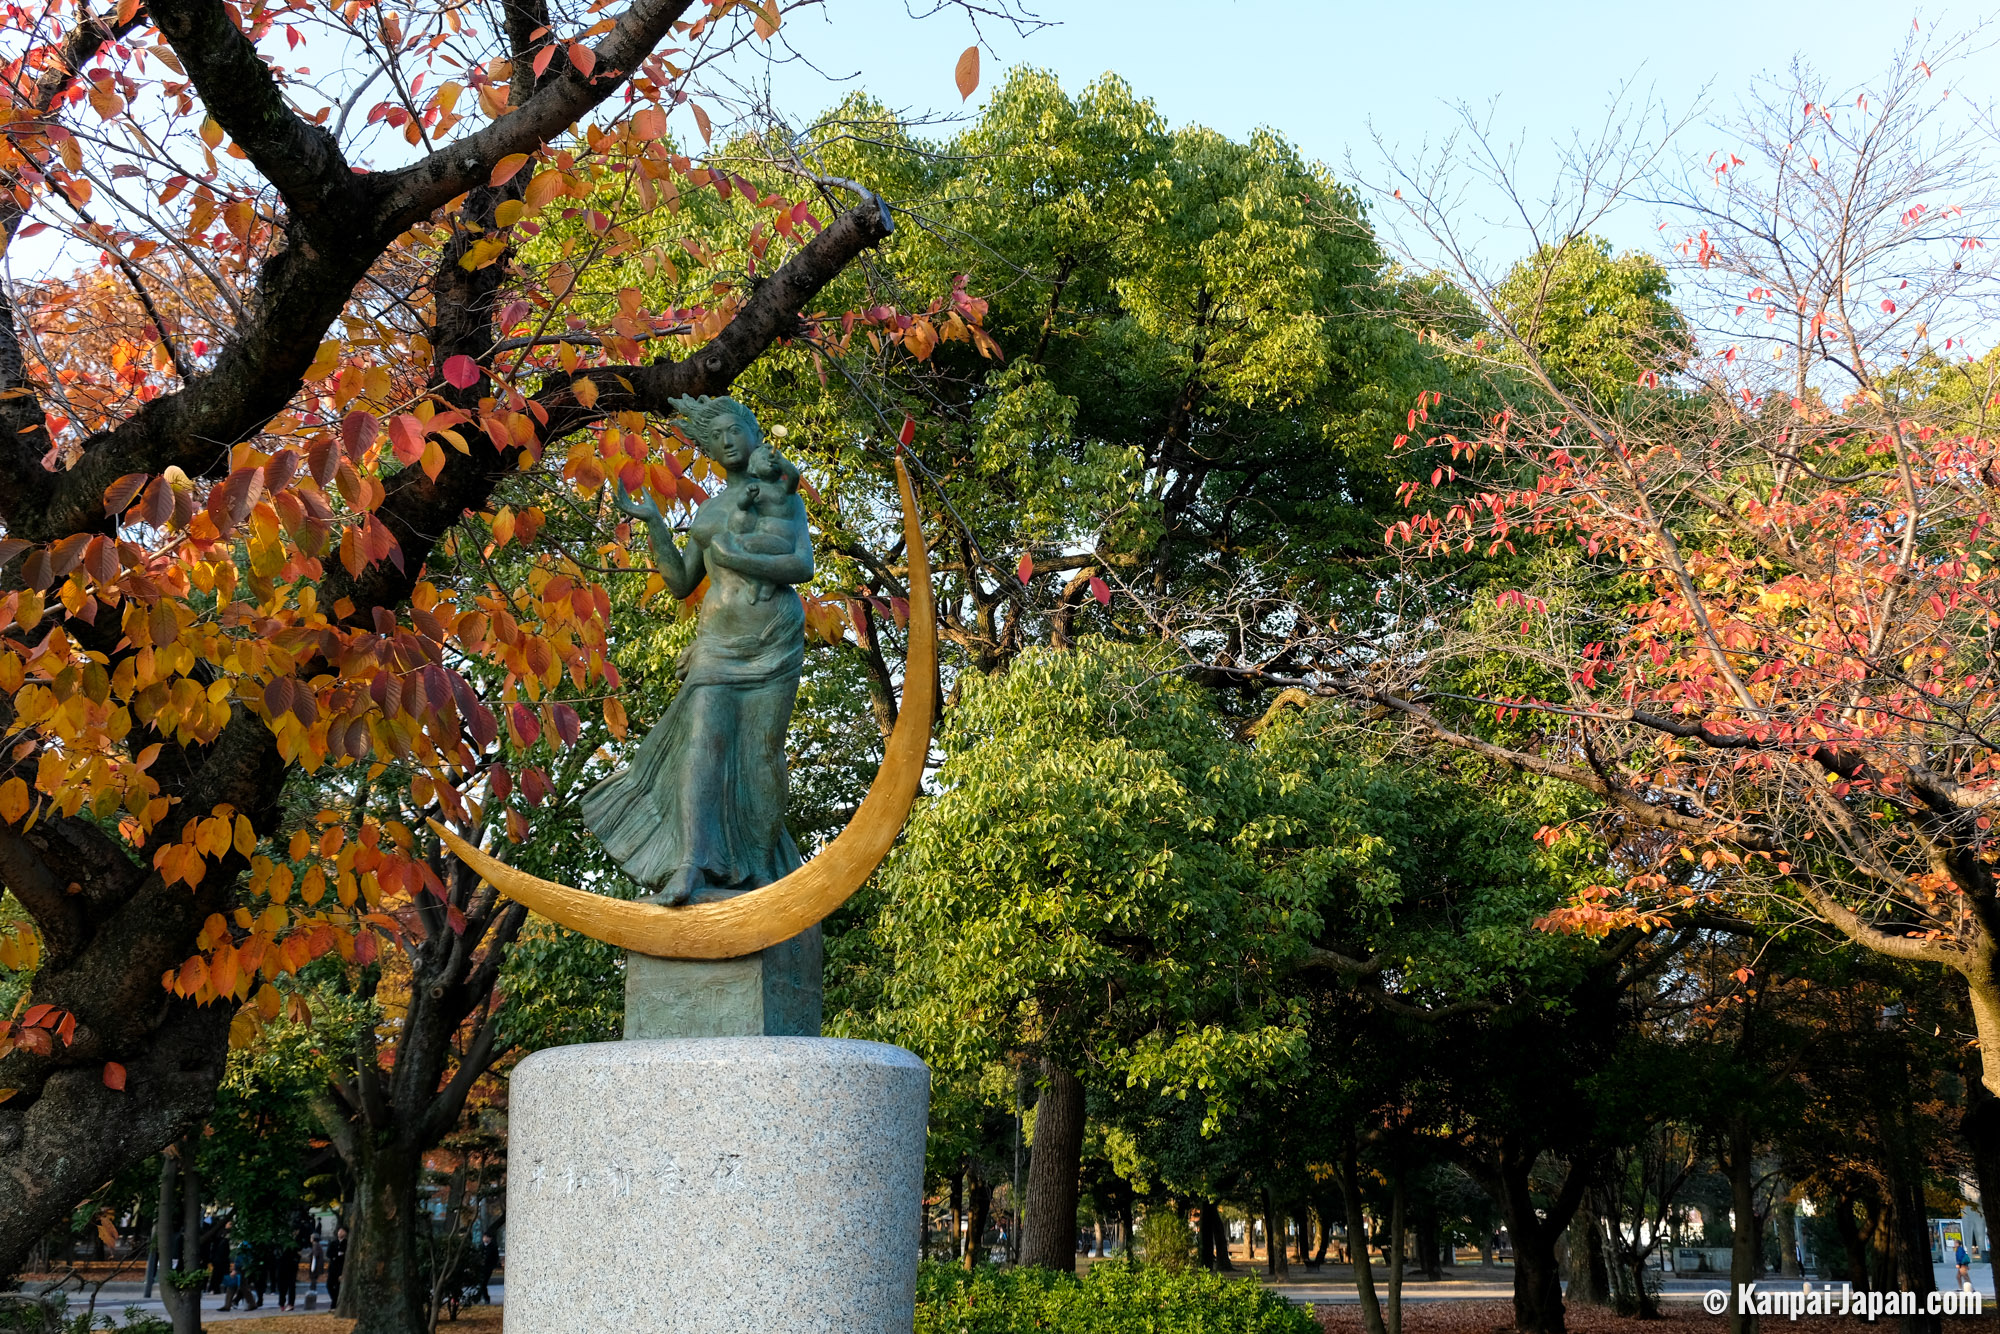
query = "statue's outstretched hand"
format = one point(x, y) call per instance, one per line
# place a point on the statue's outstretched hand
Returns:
point(638, 509)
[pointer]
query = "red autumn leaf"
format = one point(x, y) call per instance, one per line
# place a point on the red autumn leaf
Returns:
point(357, 432)
point(406, 436)
point(1101, 591)
point(461, 371)
point(568, 726)
point(120, 493)
point(1026, 569)
point(909, 431)
point(525, 727)
point(114, 1076)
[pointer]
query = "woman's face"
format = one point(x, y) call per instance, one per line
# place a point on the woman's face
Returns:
point(732, 443)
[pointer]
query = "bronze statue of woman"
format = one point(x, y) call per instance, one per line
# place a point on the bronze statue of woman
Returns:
point(700, 813)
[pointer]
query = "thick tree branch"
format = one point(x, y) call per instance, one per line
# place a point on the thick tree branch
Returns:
point(560, 99)
point(418, 509)
point(56, 915)
point(237, 87)
point(480, 1054)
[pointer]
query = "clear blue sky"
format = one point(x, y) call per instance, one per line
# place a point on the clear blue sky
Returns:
point(1320, 71)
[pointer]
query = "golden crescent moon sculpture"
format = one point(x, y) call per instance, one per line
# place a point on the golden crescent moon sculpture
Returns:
point(760, 918)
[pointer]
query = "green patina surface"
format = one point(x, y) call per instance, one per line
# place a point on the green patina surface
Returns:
point(772, 994)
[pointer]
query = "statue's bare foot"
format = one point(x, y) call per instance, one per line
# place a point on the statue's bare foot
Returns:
point(679, 888)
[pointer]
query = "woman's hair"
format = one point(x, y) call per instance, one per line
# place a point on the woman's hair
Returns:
point(706, 416)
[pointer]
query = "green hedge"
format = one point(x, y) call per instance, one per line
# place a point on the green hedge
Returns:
point(1112, 1298)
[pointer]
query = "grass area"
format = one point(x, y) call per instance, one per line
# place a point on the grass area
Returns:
point(1497, 1317)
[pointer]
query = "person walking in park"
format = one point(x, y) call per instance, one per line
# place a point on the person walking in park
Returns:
point(285, 1273)
point(489, 1260)
point(315, 1263)
point(336, 1260)
point(232, 1287)
point(246, 1270)
point(1964, 1266)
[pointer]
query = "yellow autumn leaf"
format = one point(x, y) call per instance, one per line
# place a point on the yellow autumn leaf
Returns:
point(13, 800)
point(325, 362)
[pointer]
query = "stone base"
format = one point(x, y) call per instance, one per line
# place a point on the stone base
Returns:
point(715, 1186)
point(775, 994)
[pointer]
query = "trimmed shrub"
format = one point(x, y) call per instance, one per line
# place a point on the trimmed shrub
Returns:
point(1111, 1298)
point(1165, 1240)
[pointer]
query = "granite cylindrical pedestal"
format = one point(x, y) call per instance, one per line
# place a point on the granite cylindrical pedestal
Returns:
point(715, 1186)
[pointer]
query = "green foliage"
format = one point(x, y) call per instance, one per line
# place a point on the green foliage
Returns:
point(13, 981)
point(1085, 883)
point(1594, 321)
point(263, 1158)
point(562, 987)
point(1165, 1240)
point(1111, 1298)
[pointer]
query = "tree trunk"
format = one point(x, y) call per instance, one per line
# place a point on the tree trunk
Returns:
point(958, 1215)
point(1048, 1234)
point(1784, 1220)
point(1913, 1244)
point(1854, 1251)
point(1394, 1254)
point(1212, 1238)
point(1589, 1277)
point(1357, 1241)
point(1745, 1266)
point(976, 1223)
point(182, 1299)
point(1980, 1128)
point(1429, 1249)
point(1275, 1261)
point(1302, 1219)
point(66, 1134)
point(1538, 1299)
point(381, 1288)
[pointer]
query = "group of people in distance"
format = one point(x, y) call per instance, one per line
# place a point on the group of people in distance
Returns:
point(253, 1272)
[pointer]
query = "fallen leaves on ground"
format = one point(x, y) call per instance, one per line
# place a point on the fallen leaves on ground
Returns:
point(471, 1320)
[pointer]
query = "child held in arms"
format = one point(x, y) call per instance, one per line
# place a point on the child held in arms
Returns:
point(761, 518)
